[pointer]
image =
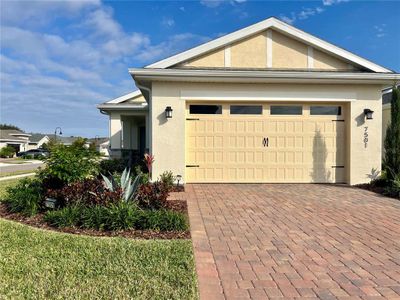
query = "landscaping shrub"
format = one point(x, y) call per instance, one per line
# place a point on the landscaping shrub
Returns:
point(152, 195)
point(7, 151)
point(393, 188)
point(66, 217)
point(124, 183)
point(25, 197)
point(144, 177)
point(67, 164)
point(168, 179)
point(120, 216)
point(88, 192)
point(163, 220)
point(392, 139)
point(111, 166)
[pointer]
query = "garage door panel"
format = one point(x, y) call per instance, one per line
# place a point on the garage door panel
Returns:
point(230, 148)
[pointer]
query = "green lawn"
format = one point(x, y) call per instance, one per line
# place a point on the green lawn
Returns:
point(6, 183)
point(38, 264)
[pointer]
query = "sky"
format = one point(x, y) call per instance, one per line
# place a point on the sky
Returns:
point(60, 59)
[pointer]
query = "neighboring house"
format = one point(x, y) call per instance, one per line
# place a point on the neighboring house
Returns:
point(102, 145)
point(36, 140)
point(267, 103)
point(17, 139)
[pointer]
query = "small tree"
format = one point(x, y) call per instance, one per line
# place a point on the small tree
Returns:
point(392, 140)
point(7, 151)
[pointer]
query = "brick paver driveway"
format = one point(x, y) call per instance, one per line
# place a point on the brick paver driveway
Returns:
point(301, 240)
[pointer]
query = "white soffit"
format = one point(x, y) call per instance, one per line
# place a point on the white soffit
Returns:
point(261, 26)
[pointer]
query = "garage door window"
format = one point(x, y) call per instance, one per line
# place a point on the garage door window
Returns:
point(246, 109)
point(326, 110)
point(205, 109)
point(286, 110)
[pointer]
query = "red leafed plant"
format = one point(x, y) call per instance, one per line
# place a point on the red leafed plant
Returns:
point(87, 192)
point(153, 195)
point(149, 159)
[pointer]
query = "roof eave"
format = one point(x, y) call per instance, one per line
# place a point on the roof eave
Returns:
point(254, 76)
point(107, 106)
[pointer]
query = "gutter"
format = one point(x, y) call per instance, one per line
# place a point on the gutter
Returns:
point(254, 76)
point(116, 106)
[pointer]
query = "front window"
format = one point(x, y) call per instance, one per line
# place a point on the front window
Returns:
point(246, 109)
point(286, 110)
point(205, 109)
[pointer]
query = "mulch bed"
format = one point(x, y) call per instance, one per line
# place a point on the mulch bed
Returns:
point(376, 189)
point(38, 222)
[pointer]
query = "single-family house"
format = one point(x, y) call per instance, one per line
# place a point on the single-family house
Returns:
point(266, 103)
point(17, 139)
point(36, 140)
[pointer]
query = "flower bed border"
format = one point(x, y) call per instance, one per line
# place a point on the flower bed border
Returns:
point(38, 222)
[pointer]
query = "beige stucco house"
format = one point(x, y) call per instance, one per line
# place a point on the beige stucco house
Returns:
point(17, 139)
point(267, 103)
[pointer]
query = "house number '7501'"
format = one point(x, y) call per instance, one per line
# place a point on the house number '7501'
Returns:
point(365, 136)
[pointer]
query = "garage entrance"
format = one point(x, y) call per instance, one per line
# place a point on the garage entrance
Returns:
point(259, 142)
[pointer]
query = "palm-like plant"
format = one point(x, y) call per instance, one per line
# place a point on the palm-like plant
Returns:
point(149, 159)
point(128, 187)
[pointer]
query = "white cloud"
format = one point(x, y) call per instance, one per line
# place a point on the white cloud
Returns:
point(216, 3)
point(308, 12)
point(57, 78)
point(42, 12)
point(172, 45)
point(167, 22)
point(380, 30)
point(332, 2)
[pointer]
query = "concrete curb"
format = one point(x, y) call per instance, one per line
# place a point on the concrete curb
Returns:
point(16, 176)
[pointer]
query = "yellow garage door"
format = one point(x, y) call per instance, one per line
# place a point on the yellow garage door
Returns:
point(265, 143)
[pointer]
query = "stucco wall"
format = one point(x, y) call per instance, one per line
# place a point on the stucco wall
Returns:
point(168, 136)
point(364, 158)
point(287, 53)
point(328, 62)
point(249, 53)
point(137, 99)
point(213, 59)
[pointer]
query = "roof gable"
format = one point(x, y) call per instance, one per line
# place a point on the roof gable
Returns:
point(275, 24)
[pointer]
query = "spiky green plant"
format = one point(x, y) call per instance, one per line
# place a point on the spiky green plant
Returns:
point(129, 188)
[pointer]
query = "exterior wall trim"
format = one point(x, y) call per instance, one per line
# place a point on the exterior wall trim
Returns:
point(269, 49)
point(310, 57)
point(270, 96)
point(227, 56)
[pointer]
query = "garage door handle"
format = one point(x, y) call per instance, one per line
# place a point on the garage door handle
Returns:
point(265, 142)
point(192, 166)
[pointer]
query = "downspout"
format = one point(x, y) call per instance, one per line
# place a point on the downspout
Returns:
point(109, 128)
point(149, 101)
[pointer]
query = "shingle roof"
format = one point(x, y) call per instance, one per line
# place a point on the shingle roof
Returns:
point(9, 134)
point(36, 137)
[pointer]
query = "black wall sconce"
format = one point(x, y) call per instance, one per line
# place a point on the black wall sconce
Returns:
point(368, 113)
point(168, 112)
